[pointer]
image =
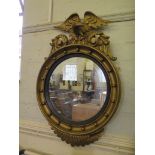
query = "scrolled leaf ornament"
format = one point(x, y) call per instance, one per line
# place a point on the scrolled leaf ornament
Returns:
point(60, 95)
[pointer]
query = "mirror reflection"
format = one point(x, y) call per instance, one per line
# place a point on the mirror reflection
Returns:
point(77, 89)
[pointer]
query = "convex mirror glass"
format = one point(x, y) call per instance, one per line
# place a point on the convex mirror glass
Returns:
point(77, 89)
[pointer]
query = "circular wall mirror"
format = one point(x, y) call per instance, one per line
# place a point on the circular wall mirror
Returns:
point(77, 89)
point(78, 92)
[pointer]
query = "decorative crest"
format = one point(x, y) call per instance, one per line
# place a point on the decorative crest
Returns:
point(74, 24)
point(85, 32)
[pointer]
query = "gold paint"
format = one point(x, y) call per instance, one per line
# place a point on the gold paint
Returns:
point(84, 51)
point(92, 126)
point(114, 93)
point(97, 56)
point(54, 119)
point(65, 126)
point(102, 120)
point(74, 50)
point(107, 67)
point(76, 129)
point(113, 80)
point(46, 109)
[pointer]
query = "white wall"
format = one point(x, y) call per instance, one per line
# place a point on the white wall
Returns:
point(39, 17)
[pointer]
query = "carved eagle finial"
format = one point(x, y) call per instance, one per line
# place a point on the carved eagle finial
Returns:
point(73, 24)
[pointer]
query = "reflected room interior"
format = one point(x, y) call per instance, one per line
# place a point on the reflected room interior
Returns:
point(77, 89)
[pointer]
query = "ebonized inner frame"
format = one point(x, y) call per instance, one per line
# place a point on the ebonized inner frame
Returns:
point(52, 107)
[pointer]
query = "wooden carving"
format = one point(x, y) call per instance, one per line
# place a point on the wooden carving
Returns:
point(84, 32)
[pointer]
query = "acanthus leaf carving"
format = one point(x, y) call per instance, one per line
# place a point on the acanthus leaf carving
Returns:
point(85, 32)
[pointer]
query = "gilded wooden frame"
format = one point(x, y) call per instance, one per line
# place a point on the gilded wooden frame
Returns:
point(62, 46)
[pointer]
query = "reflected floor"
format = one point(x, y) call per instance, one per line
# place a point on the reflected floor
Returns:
point(75, 105)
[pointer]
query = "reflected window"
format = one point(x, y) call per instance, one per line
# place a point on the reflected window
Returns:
point(70, 73)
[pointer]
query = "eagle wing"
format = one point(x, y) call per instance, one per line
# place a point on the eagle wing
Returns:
point(69, 23)
point(94, 22)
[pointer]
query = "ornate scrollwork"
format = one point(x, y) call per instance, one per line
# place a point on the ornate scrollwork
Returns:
point(59, 41)
point(83, 32)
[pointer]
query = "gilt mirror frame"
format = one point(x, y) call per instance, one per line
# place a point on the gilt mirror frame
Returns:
point(86, 40)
